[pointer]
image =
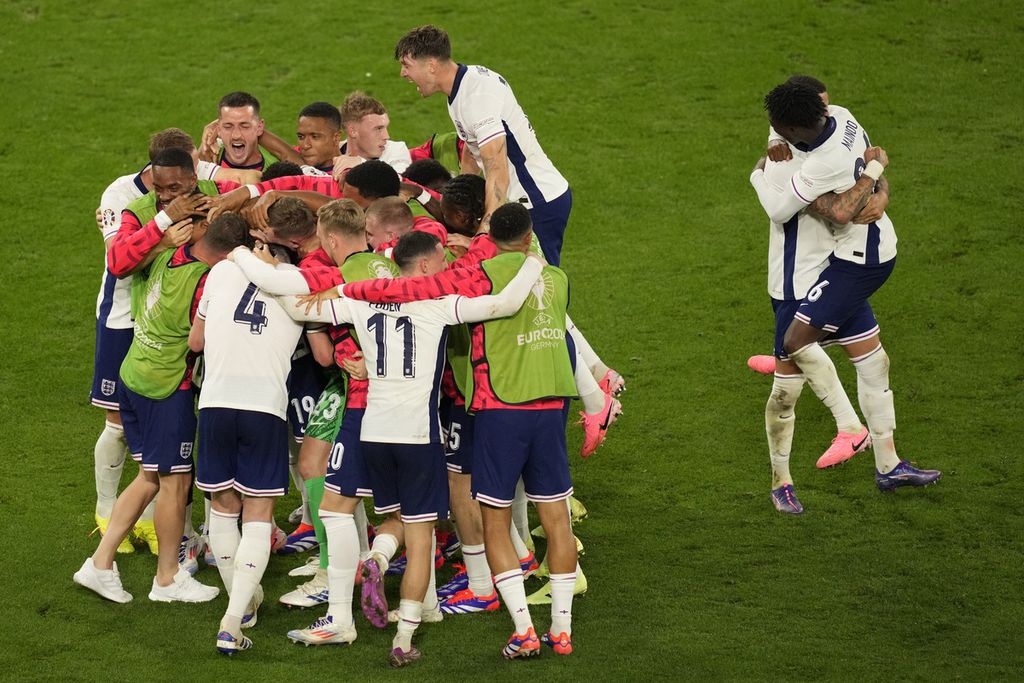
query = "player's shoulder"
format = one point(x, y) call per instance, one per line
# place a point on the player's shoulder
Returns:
point(479, 78)
point(121, 191)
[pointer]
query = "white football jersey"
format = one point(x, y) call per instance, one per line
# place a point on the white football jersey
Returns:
point(483, 108)
point(798, 249)
point(834, 163)
point(404, 349)
point(249, 344)
point(113, 302)
point(396, 155)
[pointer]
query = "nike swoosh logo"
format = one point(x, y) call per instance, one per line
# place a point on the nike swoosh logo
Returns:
point(856, 446)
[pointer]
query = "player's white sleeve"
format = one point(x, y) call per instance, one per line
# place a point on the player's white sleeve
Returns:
point(505, 303)
point(206, 170)
point(774, 138)
point(332, 311)
point(282, 279)
point(815, 178)
point(111, 206)
point(780, 203)
point(482, 110)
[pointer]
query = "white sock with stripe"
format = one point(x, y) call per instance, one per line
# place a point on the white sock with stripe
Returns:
point(562, 587)
point(513, 592)
point(477, 569)
point(383, 549)
point(409, 612)
point(821, 374)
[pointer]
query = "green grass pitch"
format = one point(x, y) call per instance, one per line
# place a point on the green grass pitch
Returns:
point(652, 111)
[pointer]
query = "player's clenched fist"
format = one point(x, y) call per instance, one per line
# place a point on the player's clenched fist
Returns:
point(876, 154)
point(178, 234)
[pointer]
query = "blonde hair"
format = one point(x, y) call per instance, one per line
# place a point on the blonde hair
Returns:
point(344, 217)
point(359, 104)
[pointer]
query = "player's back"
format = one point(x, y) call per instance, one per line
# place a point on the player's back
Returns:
point(250, 339)
point(483, 106)
point(404, 349)
point(798, 250)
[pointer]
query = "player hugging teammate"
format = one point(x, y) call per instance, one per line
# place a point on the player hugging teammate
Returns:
point(417, 340)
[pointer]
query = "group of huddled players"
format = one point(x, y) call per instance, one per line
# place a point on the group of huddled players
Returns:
point(412, 328)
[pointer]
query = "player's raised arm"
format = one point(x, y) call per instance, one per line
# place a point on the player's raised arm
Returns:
point(506, 302)
point(276, 279)
point(780, 203)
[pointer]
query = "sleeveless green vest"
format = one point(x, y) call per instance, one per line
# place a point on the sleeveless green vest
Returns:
point(367, 266)
point(445, 148)
point(418, 209)
point(267, 160)
point(526, 352)
point(145, 210)
point(155, 364)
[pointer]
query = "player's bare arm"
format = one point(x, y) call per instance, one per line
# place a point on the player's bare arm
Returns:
point(495, 159)
point(279, 148)
point(876, 205)
point(842, 208)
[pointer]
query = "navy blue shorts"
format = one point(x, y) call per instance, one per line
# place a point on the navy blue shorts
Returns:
point(346, 471)
point(244, 450)
point(160, 434)
point(841, 292)
point(410, 478)
point(458, 446)
point(111, 347)
point(858, 327)
point(306, 382)
point(549, 221)
point(509, 444)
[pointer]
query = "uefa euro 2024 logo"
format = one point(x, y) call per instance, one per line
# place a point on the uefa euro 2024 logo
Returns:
point(541, 296)
point(379, 269)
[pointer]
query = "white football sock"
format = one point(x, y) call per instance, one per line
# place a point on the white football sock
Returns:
point(820, 372)
point(587, 387)
point(108, 461)
point(583, 347)
point(876, 400)
point(384, 548)
point(343, 557)
point(477, 570)
point(779, 421)
point(362, 524)
point(520, 518)
point(510, 585)
point(562, 586)
point(224, 539)
point(409, 612)
point(207, 508)
point(250, 563)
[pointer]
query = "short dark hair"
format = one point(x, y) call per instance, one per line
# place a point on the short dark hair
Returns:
point(413, 245)
point(168, 138)
point(794, 104)
point(809, 81)
point(466, 193)
point(428, 173)
point(424, 41)
point(239, 99)
point(291, 218)
point(322, 110)
point(280, 169)
point(374, 179)
point(510, 223)
point(174, 157)
point(227, 231)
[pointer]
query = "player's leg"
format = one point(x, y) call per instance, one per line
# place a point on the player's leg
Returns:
point(549, 222)
point(419, 544)
point(548, 486)
point(250, 563)
point(501, 447)
point(216, 469)
point(168, 442)
point(610, 381)
point(345, 483)
point(600, 408)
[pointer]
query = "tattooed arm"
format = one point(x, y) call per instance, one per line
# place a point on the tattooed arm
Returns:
point(494, 155)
